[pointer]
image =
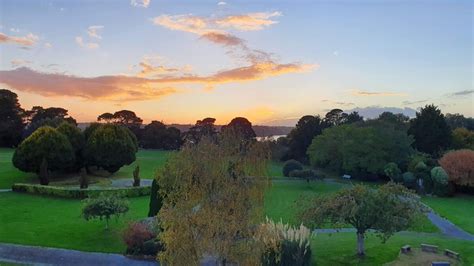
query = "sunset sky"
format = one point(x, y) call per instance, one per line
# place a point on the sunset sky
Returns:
point(270, 61)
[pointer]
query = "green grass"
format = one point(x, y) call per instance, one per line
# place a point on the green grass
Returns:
point(275, 169)
point(35, 220)
point(9, 174)
point(280, 199)
point(340, 248)
point(458, 209)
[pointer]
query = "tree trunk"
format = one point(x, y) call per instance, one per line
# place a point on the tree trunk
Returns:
point(360, 244)
point(106, 223)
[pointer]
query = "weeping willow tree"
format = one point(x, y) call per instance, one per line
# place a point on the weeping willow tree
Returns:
point(213, 195)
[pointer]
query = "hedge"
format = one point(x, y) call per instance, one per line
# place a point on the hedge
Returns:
point(76, 193)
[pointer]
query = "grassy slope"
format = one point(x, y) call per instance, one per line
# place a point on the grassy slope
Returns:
point(339, 249)
point(8, 173)
point(458, 209)
point(35, 220)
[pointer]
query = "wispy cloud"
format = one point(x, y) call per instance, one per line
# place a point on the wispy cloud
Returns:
point(19, 62)
point(27, 40)
point(461, 93)
point(87, 45)
point(93, 31)
point(140, 3)
point(221, 3)
point(414, 102)
point(248, 22)
point(48, 45)
point(376, 93)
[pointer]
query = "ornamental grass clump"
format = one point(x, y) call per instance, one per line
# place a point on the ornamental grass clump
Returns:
point(284, 244)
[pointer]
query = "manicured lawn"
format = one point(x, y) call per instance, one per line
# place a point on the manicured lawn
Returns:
point(8, 173)
point(340, 248)
point(458, 209)
point(275, 169)
point(281, 201)
point(34, 220)
point(281, 197)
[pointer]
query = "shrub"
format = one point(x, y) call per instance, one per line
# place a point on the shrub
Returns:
point(393, 172)
point(76, 138)
point(285, 245)
point(422, 172)
point(83, 180)
point(307, 174)
point(75, 193)
point(290, 166)
point(155, 200)
point(43, 173)
point(151, 247)
point(111, 147)
point(459, 166)
point(441, 186)
point(104, 207)
point(135, 236)
point(45, 143)
point(136, 176)
point(409, 180)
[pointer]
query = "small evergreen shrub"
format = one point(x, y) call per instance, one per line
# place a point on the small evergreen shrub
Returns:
point(155, 200)
point(285, 245)
point(104, 207)
point(441, 186)
point(409, 180)
point(393, 172)
point(291, 165)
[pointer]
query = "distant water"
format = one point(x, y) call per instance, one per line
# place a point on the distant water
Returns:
point(272, 138)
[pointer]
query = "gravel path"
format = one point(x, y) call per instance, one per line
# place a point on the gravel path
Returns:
point(128, 182)
point(55, 256)
point(447, 228)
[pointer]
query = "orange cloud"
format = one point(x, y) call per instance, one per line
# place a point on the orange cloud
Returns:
point(113, 88)
point(222, 38)
point(28, 40)
point(248, 22)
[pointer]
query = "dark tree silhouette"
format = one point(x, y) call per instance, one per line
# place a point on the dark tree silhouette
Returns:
point(202, 128)
point(430, 130)
point(106, 117)
point(11, 119)
point(301, 136)
point(242, 127)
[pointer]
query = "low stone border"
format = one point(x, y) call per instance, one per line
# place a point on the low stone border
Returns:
point(77, 193)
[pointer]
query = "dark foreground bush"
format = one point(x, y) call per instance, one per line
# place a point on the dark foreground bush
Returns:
point(77, 193)
point(140, 240)
point(291, 165)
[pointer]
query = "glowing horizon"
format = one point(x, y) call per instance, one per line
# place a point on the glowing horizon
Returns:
point(179, 62)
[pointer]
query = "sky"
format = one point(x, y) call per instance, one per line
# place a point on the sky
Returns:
point(270, 61)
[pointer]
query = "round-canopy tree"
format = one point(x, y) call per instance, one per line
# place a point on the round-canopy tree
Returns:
point(242, 126)
point(111, 146)
point(76, 138)
point(459, 166)
point(387, 210)
point(45, 143)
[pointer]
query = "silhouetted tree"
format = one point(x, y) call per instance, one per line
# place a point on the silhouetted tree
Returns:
point(11, 119)
point(202, 128)
point(157, 136)
point(242, 127)
point(301, 136)
point(106, 117)
point(430, 130)
point(353, 117)
point(335, 117)
point(458, 120)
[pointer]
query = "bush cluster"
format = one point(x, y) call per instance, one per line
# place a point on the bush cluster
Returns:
point(77, 193)
point(291, 165)
point(441, 185)
point(140, 239)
